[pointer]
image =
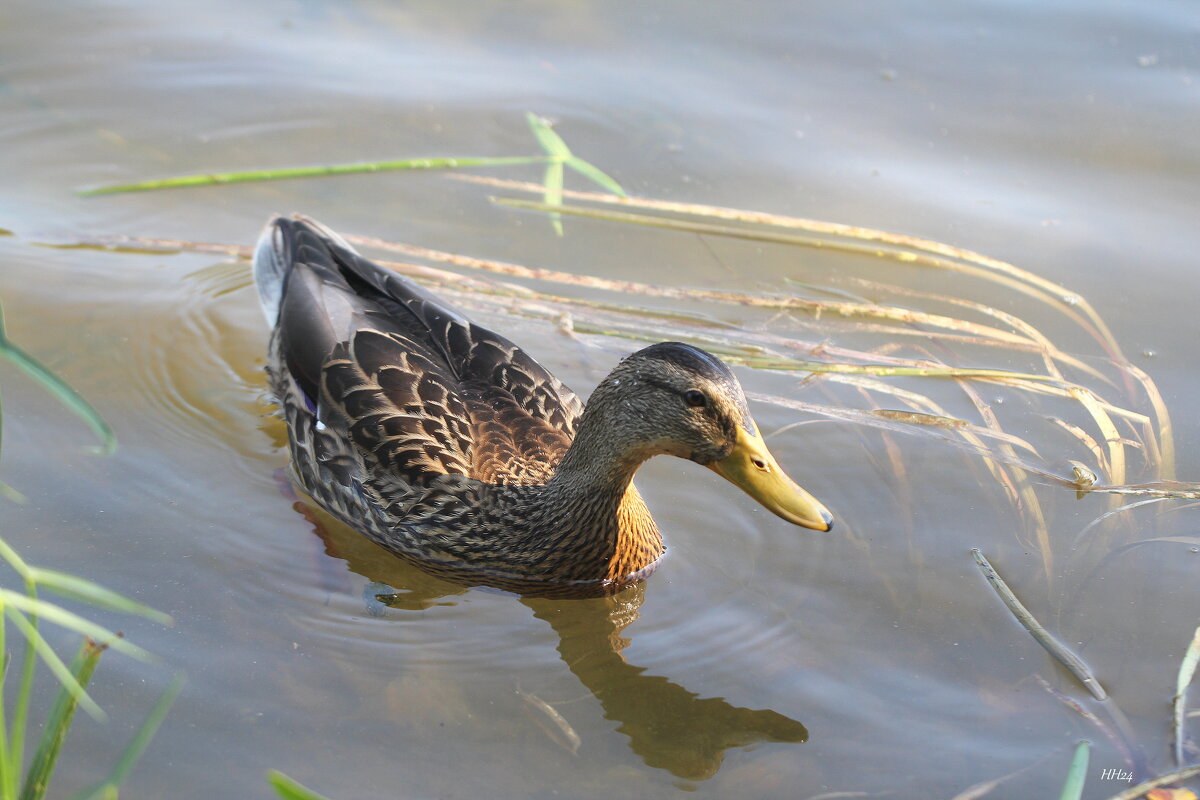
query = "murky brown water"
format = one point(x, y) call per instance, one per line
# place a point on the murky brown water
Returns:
point(765, 661)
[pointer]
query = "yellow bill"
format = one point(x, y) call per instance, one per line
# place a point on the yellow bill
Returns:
point(752, 468)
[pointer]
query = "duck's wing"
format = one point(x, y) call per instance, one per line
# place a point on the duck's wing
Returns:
point(418, 387)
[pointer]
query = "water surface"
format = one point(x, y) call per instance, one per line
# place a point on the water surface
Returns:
point(760, 661)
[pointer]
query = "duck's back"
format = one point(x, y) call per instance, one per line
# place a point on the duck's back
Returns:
point(399, 385)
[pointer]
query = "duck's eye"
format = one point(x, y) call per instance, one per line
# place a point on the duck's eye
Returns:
point(695, 398)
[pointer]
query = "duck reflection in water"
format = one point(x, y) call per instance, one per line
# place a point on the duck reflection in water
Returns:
point(668, 726)
point(448, 445)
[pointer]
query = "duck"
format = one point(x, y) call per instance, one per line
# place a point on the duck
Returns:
point(448, 445)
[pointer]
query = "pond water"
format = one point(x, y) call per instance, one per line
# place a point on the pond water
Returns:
point(761, 660)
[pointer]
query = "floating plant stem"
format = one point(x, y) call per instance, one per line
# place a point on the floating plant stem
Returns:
point(557, 155)
point(1055, 648)
point(289, 173)
point(1057, 296)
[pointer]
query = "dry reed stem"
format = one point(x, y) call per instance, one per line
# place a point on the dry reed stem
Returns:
point(841, 308)
point(1088, 441)
point(1050, 353)
point(1094, 325)
point(903, 256)
point(1164, 428)
point(1098, 329)
point(737, 350)
point(1116, 451)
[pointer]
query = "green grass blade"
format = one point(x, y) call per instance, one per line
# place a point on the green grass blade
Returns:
point(20, 713)
point(1187, 670)
point(137, 746)
point(594, 174)
point(17, 563)
point(12, 494)
point(93, 594)
point(8, 773)
point(289, 789)
point(72, 621)
point(1076, 774)
point(55, 665)
point(288, 173)
point(547, 137)
point(58, 723)
point(57, 387)
point(553, 182)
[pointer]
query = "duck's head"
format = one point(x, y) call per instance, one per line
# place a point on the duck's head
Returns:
point(675, 398)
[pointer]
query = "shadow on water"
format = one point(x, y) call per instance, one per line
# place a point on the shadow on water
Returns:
point(668, 726)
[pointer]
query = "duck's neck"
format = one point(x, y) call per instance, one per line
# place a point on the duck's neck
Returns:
point(599, 522)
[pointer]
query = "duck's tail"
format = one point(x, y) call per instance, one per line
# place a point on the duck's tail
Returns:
point(273, 259)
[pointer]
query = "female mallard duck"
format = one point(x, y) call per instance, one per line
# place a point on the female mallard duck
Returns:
point(444, 442)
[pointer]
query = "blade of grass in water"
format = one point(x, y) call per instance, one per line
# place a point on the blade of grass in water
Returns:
point(561, 155)
point(20, 715)
point(554, 183)
point(8, 772)
point(594, 174)
point(58, 723)
point(547, 137)
point(59, 388)
point(289, 789)
point(71, 621)
point(250, 176)
point(1187, 670)
point(93, 594)
point(1076, 774)
point(137, 746)
point(1072, 662)
point(55, 664)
